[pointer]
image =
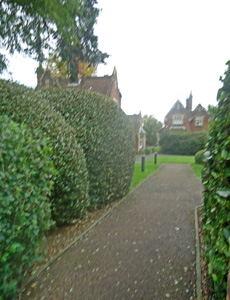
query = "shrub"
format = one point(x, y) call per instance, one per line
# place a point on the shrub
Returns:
point(187, 143)
point(26, 178)
point(105, 134)
point(199, 156)
point(216, 181)
point(70, 195)
point(148, 151)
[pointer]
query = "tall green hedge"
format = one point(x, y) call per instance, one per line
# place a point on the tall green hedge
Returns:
point(26, 178)
point(184, 143)
point(70, 195)
point(105, 134)
point(216, 181)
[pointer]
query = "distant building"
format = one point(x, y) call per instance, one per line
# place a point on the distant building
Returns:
point(105, 85)
point(181, 118)
point(140, 134)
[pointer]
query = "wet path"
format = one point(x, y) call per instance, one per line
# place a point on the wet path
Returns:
point(145, 249)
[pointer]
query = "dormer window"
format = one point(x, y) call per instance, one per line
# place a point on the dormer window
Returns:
point(178, 119)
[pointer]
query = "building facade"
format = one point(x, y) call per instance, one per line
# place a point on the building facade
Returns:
point(181, 118)
point(105, 85)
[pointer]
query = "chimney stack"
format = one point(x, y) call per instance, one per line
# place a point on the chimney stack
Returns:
point(189, 102)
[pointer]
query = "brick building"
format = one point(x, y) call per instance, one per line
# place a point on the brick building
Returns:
point(105, 85)
point(181, 118)
point(140, 134)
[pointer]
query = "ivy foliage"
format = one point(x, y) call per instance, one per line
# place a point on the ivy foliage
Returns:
point(216, 181)
point(26, 179)
point(106, 136)
point(70, 194)
point(183, 143)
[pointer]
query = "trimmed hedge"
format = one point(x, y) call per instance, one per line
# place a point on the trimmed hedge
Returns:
point(70, 195)
point(105, 134)
point(200, 157)
point(216, 181)
point(185, 143)
point(26, 178)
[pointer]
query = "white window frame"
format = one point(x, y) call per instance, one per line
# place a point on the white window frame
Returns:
point(178, 119)
point(199, 121)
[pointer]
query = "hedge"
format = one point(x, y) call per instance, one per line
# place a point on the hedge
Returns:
point(216, 181)
point(70, 195)
point(26, 178)
point(105, 134)
point(184, 143)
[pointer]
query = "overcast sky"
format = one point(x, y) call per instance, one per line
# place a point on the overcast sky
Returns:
point(162, 50)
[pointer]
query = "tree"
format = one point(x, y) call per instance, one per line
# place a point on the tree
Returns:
point(59, 68)
point(151, 126)
point(34, 27)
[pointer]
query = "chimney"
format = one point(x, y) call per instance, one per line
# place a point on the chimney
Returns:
point(189, 102)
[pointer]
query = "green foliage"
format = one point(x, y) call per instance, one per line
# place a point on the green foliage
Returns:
point(70, 195)
point(199, 156)
point(105, 134)
point(188, 143)
point(148, 151)
point(26, 178)
point(216, 181)
point(35, 26)
point(151, 126)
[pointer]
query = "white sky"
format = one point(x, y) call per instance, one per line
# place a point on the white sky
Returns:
point(162, 50)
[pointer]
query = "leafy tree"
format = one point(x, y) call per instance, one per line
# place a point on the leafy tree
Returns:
point(34, 26)
point(151, 126)
point(59, 68)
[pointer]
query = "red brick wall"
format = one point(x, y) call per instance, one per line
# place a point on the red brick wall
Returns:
point(188, 123)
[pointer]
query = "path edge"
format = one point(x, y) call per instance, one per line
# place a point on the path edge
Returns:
point(198, 266)
point(56, 257)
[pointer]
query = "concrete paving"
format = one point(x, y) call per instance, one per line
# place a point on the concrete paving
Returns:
point(143, 250)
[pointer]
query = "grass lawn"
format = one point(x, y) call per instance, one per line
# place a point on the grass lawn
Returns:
point(150, 167)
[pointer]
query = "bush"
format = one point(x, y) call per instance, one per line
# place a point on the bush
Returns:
point(216, 181)
point(148, 151)
point(105, 134)
point(199, 156)
point(187, 143)
point(70, 195)
point(26, 178)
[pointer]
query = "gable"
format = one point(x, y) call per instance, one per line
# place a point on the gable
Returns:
point(178, 108)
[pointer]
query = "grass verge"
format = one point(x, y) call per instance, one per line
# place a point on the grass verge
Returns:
point(150, 167)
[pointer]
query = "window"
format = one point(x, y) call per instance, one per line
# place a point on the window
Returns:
point(199, 121)
point(178, 119)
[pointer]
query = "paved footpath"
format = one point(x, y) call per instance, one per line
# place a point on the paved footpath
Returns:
point(143, 250)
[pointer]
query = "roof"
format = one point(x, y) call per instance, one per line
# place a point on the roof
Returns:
point(178, 108)
point(100, 85)
point(136, 121)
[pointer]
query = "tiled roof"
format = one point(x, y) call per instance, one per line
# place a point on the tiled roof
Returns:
point(100, 85)
point(178, 108)
point(135, 121)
